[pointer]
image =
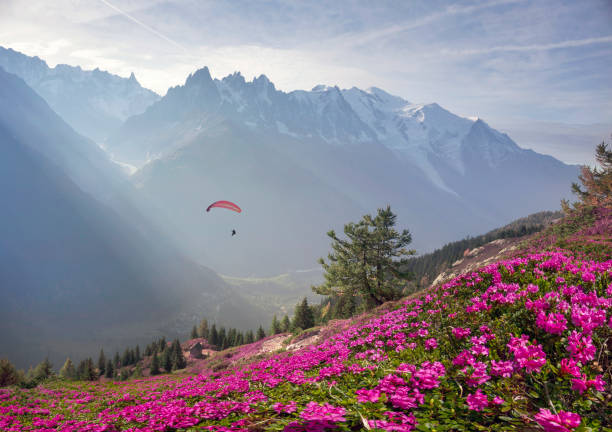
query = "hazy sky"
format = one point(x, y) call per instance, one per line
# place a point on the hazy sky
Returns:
point(529, 67)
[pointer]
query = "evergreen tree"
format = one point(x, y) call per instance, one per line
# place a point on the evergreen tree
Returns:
point(86, 370)
point(155, 365)
point(101, 363)
point(285, 324)
point(214, 336)
point(275, 327)
point(117, 360)
point(597, 181)
point(148, 351)
point(178, 359)
point(222, 338)
point(137, 371)
point(194, 332)
point(137, 354)
point(125, 359)
point(8, 373)
point(303, 317)
point(109, 371)
point(203, 331)
point(125, 374)
point(249, 338)
point(166, 360)
point(260, 333)
point(368, 264)
point(231, 337)
point(240, 339)
point(41, 372)
point(68, 371)
point(162, 344)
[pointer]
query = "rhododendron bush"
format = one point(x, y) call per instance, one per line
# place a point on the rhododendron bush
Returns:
point(522, 344)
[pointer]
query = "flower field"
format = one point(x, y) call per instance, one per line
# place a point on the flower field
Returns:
point(523, 344)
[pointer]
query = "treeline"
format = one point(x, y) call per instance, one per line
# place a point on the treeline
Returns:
point(426, 268)
point(223, 338)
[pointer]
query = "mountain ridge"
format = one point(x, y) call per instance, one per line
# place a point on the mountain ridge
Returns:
point(93, 102)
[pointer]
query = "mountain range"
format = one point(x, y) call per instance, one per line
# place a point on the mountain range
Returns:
point(304, 162)
point(93, 102)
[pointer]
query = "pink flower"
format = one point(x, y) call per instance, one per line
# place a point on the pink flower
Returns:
point(502, 368)
point(288, 408)
point(460, 332)
point(477, 401)
point(431, 344)
point(553, 323)
point(569, 367)
point(314, 411)
point(365, 395)
point(562, 422)
point(581, 347)
point(497, 400)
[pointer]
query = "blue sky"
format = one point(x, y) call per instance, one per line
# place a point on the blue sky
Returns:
point(534, 69)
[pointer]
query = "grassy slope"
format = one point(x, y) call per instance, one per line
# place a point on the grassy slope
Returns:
point(367, 374)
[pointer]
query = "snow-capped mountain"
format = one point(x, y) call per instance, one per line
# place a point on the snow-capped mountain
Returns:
point(93, 102)
point(306, 161)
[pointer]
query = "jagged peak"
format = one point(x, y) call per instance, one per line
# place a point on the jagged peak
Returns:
point(200, 76)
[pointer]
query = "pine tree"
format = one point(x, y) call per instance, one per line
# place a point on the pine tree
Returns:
point(222, 338)
point(194, 332)
point(260, 333)
point(214, 336)
point(240, 339)
point(369, 263)
point(117, 360)
point(86, 370)
point(137, 354)
point(203, 329)
point(303, 317)
point(275, 327)
point(178, 359)
point(162, 344)
point(249, 338)
point(148, 351)
point(166, 360)
point(285, 324)
point(137, 371)
point(41, 372)
point(8, 373)
point(597, 181)
point(101, 362)
point(68, 371)
point(109, 371)
point(155, 365)
point(125, 374)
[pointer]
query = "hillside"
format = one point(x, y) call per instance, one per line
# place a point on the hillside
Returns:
point(520, 344)
point(80, 263)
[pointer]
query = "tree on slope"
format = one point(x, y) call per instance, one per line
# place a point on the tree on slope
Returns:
point(68, 371)
point(597, 182)
point(304, 316)
point(367, 265)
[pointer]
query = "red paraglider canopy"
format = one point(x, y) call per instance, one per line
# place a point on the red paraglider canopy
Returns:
point(226, 205)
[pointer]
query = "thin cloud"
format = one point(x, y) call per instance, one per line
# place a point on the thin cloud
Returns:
point(534, 47)
point(449, 11)
point(143, 25)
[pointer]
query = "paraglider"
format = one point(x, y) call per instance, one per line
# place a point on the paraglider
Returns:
point(226, 205)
